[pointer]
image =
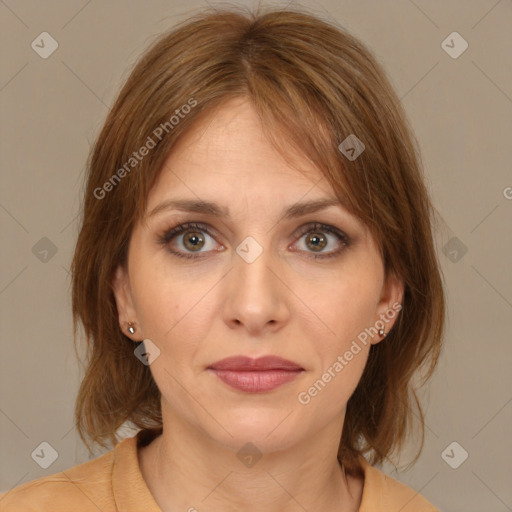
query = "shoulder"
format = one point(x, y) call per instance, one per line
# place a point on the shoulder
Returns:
point(87, 486)
point(382, 493)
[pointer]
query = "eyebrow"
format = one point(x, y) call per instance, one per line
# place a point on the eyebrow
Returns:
point(298, 209)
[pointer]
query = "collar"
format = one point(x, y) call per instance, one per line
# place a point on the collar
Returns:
point(128, 485)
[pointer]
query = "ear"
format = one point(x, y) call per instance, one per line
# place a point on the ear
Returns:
point(124, 301)
point(390, 304)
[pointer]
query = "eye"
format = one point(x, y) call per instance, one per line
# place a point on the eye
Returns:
point(318, 236)
point(198, 239)
point(193, 240)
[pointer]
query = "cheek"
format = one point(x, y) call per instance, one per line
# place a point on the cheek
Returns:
point(340, 356)
point(165, 297)
point(346, 310)
point(175, 311)
point(342, 307)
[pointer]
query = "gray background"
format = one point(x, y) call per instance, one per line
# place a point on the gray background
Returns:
point(461, 111)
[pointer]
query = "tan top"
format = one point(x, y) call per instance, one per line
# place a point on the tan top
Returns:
point(113, 482)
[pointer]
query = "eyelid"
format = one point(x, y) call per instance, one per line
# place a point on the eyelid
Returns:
point(183, 227)
point(311, 227)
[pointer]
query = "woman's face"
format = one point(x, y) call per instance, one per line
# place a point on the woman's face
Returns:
point(252, 281)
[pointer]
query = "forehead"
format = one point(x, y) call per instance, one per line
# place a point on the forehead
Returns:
point(227, 152)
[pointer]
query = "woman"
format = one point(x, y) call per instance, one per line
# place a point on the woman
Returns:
point(255, 215)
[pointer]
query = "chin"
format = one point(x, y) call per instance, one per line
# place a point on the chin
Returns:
point(266, 430)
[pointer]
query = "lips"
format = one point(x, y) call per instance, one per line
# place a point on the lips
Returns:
point(265, 363)
point(255, 375)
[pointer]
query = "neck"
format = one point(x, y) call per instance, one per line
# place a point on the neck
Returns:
point(184, 470)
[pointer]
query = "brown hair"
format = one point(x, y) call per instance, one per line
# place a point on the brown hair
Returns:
point(312, 85)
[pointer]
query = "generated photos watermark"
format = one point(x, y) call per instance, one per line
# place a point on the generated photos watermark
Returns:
point(137, 156)
point(304, 397)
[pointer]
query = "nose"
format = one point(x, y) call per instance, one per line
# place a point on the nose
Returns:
point(257, 298)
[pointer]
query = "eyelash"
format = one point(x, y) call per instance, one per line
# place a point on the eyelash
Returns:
point(314, 227)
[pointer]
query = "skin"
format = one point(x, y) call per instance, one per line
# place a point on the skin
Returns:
point(198, 311)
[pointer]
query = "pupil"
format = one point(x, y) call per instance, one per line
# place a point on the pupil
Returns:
point(318, 241)
point(194, 241)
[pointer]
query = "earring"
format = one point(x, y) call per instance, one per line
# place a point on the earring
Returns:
point(131, 329)
point(382, 333)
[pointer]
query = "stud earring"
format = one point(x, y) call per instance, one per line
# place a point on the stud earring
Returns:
point(382, 333)
point(131, 329)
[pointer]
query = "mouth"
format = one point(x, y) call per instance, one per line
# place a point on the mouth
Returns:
point(255, 375)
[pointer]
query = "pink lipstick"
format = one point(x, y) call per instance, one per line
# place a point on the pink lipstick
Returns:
point(256, 375)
